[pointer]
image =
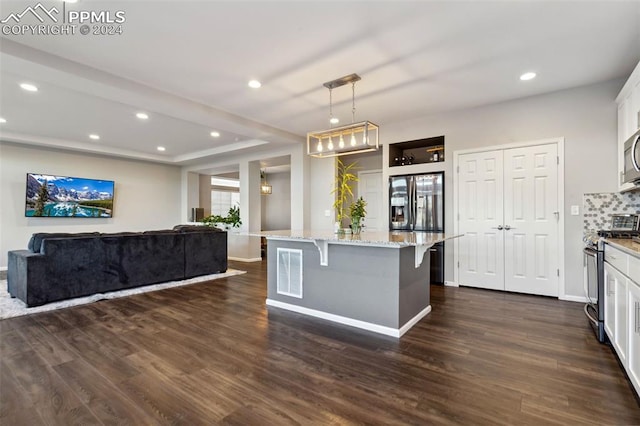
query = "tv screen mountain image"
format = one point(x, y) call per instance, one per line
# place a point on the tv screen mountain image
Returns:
point(65, 196)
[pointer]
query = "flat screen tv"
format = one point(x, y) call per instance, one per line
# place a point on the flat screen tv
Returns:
point(65, 196)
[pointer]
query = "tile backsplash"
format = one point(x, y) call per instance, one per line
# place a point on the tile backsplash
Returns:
point(598, 208)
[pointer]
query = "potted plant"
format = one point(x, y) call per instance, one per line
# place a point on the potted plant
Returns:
point(342, 190)
point(231, 220)
point(357, 213)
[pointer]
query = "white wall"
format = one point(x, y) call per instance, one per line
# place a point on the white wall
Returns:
point(276, 207)
point(365, 161)
point(300, 188)
point(204, 196)
point(321, 177)
point(190, 192)
point(147, 196)
point(584, 116)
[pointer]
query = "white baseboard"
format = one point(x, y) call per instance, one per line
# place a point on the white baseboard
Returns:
point(244, 259)
point(413, 321)
point(388, 331)
point(451, 284)
point(570, 298)
point(3, 268)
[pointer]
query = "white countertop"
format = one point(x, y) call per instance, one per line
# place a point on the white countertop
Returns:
point(392, 239)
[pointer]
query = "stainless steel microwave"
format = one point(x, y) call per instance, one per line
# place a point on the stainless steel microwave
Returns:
point(632, 159)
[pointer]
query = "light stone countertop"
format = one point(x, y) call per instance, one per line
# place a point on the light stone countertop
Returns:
point(626, 245)
point(374, 238)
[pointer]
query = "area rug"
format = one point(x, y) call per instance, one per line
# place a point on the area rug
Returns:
point(10, 307)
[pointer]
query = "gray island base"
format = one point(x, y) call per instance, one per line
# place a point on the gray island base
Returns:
point(374, 281)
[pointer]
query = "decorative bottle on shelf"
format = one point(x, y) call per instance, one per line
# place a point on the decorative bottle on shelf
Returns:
point(436, 157)
point(403, 160)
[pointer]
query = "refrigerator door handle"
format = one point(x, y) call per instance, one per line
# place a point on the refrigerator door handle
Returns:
point(409, 203)
point(414, 204)
point(434, 205)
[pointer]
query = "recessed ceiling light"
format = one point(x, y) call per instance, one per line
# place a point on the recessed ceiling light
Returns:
point(254, 84)
point(2, 120)
point(161, 148)
point(94, 137)
point(215, 134)
point(142, 116)
point(334, 120)
point(71, 1)
point(29, 87)
point(528, 76)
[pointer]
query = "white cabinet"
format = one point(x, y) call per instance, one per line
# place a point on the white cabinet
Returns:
point(610, 301)
point(615, 311)
point(621, 316)
point(622, 308)
point(633, 366)
point(628, 101)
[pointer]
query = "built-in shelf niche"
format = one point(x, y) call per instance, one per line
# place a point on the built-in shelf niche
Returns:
point(429, 150)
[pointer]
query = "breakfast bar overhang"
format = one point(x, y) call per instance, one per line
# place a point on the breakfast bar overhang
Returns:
point(377, 281)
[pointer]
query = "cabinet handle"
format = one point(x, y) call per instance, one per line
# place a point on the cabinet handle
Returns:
point(609, 291)
point(637, 318)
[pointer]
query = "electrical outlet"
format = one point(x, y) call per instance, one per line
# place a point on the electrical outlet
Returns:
point(575, 210)
point(327, 213)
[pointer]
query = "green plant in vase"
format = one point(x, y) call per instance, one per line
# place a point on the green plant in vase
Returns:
point(357, 212)
point(342, 189)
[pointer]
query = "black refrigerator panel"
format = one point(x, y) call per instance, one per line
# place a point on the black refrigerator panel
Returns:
point(400, 190)
point(436, 257)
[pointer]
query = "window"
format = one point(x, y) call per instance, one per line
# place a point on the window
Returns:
point(222, 201)
point(224, 195)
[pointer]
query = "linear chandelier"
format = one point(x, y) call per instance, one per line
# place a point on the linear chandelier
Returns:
point(344, 140)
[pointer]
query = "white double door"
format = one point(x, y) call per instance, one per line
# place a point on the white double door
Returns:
point(508, 213)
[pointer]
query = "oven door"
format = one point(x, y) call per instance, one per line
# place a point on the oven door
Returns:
point(632, 158)
point(594, 290)
point(591, 275)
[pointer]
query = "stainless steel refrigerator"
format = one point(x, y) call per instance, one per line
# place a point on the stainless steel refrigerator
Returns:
point(416, 203)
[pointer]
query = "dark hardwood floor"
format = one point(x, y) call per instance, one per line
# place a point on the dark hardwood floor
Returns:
point(212, 353)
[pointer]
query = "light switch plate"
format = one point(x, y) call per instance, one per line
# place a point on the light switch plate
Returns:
point(327, 213)
point(575, 210)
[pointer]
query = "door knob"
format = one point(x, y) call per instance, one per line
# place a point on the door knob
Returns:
point(507, 227)
point(499, 228)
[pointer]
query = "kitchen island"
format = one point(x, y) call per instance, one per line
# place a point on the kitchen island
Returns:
point(378, 281)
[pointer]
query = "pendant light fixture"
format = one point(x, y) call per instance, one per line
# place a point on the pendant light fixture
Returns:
point(362, 136)
point(265, 188)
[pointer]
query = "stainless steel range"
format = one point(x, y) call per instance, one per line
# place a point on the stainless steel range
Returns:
point(622, 226)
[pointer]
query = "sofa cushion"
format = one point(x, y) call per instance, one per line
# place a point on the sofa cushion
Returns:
point(196, 228)
point(159, 232)
point(120, 234)
point(35, 243)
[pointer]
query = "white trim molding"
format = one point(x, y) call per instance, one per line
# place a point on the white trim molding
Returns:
point(246, 260)
point(568, 298)
point(387, 331)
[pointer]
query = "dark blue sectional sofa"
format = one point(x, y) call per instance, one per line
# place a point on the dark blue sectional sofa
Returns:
point(64, 266)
